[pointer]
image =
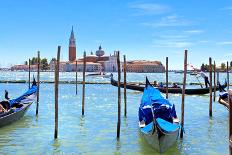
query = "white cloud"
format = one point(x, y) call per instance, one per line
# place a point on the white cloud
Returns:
point(149, 8)
point(227, 8)
point(194, 31)
point(203, 41)
point(168, 21)
point(225, 43)
point(174, 36)
point(172, 43)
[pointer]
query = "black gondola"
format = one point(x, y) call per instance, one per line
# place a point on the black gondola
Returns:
point(189, 91)
point(18, 106)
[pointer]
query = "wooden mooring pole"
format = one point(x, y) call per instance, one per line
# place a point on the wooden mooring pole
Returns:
point(76, 77)
point(227, 71)
point(210, 87)
point(215, 82)
point(38, 83)
point(124, 69)
point(119, 96)
point(166, 77)
point(83, 87)
point(57, 69)
point(29, 73)
point(183, 93)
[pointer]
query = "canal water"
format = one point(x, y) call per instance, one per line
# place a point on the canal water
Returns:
point(95, 133)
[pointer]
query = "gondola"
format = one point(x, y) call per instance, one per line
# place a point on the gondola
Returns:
point(158, 121)
point(16, 108)
point(189, 91)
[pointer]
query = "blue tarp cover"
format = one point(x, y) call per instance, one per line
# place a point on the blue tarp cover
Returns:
point(167, 126)
point(147, 128)
point(30, 91)
point(162, 107)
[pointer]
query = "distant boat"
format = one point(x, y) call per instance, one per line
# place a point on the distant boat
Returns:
point(93, 74)
point(100, 74)
point(178, 71)
point(178, 90)
point(16, 108)
point(193, 73)
point(158, 121)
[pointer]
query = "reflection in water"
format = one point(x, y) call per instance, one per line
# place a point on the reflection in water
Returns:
point(56, 146)
point(11, 132)
point(118, 145)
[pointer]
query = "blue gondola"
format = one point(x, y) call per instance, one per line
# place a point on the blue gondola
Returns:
point(16, 108)
point(158, 121)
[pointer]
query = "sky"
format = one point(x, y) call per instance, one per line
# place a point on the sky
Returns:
point(141, 29)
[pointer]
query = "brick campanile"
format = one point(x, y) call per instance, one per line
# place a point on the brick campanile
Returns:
point(72, 47)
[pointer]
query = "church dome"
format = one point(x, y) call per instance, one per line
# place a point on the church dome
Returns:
point(100, 52)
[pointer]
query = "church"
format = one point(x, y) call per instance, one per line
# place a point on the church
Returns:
point(97, 62)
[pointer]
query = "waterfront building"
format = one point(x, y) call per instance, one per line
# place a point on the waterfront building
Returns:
point(72, 47)
point(23, 68)
point(70, 66)
point(142, 66)
point(90, 67)
point(111, 64)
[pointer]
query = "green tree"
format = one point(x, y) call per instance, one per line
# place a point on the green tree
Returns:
point(223, 66)
point(44, 64)
point(34, 60)
point(25, 63)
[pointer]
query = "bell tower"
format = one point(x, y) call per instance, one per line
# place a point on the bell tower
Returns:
point(72, 47)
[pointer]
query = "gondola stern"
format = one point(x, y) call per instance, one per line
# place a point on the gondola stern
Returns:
point(147, 82)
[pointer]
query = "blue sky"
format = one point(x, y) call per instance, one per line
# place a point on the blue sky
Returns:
point(143, 29)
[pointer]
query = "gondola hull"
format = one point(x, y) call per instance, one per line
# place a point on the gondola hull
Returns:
point(161, 142)
point(14, 116)
point(193, 91)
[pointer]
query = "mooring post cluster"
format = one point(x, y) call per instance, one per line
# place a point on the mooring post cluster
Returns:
point(213, 81)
